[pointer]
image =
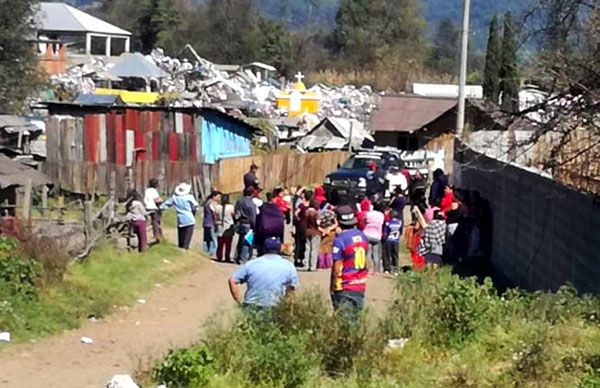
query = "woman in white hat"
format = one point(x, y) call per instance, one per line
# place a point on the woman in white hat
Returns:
point(185, 206)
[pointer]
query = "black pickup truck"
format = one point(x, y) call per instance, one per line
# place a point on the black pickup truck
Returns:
point(351, 177)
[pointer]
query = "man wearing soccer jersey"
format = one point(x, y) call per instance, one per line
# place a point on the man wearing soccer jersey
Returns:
point(350, 263)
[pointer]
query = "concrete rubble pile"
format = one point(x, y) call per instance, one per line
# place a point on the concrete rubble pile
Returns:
point(201, 83)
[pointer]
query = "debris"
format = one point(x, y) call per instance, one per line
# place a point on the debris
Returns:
point(193, 81)
point(121, 381)
point(87, 340)
point(141, 301)
point(166, 261)
point(396, 343)
point(5, 336)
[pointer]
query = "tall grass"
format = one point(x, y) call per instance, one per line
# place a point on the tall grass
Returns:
point(460, 334)
point(107, 278)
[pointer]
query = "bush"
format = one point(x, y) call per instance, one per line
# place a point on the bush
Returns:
point(51, 256)
point(186, 367)
point(18, 275)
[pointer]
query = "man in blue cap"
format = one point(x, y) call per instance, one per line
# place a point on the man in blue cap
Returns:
point(269, 278)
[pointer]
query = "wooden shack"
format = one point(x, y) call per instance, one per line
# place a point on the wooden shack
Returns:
point(89, 144)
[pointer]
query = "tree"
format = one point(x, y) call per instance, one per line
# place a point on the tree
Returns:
point(367, 31)
point(493, 59)
point(157, 18)
point(19, 72)
point(445, 54)
point(509, 75)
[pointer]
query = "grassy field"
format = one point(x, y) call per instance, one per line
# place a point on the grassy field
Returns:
point(456, 333)
point(106, 279)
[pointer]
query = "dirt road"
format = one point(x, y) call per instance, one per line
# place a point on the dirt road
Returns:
point(171, 317)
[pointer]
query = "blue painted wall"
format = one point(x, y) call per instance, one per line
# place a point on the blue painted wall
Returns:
point(223, 138)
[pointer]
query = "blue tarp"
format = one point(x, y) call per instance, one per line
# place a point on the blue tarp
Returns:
point(223, 138)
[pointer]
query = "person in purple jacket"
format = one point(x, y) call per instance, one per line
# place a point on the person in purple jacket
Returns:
point(392, 233)
point(270, 222)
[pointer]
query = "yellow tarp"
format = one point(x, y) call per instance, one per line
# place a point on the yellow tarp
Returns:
point(130, 97)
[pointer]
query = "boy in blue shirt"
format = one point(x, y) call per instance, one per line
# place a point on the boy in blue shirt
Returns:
point(392, 233)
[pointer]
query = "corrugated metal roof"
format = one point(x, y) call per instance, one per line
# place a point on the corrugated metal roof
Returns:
point(136, 65)
point(98, 99)
point(409, 113)
point(13, 124)
point(15, 174)
point(63, 17)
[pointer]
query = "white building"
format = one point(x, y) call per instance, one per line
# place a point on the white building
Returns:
point(83, 33)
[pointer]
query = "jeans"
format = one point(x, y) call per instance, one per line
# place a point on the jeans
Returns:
point(210, 240)
point(244, 250)
point(348, 303)
point(311, 251)
point(299, 247)
point(139, 228)
point(184, 236)
point(390, 256)
point(156, 219)
point(224, 247)
point(374, 253)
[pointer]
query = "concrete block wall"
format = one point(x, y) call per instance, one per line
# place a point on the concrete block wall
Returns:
point(544, 234)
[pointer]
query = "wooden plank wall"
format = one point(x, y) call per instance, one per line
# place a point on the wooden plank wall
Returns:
point(277, 169)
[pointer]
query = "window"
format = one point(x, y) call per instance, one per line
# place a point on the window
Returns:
point(98, 45)
point(75, 43)
point(360, 163)
point(117, 46)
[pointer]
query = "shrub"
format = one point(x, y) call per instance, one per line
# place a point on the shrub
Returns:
point(51, 256)
point(18, 275)
point(190, 367)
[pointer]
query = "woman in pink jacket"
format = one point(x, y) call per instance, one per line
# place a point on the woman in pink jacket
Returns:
point(373, 222)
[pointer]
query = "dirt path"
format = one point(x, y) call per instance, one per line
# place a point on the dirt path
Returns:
point(171, 317)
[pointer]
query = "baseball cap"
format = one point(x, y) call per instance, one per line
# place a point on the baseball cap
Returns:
point(272, 245)
point(346, 216)
point(327, 218)
point(253, 166)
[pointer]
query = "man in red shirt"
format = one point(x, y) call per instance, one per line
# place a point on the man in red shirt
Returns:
point(350, 264)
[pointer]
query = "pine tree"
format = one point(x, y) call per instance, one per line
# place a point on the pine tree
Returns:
point(493, 58)
point(509, 76)
point(445, 54)
point(19, 71)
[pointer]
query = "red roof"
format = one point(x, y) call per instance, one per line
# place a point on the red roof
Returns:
point(408, 113)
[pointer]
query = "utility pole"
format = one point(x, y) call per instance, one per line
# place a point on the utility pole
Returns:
point(460, 116)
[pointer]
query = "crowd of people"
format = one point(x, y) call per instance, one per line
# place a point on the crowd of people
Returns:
point(350, 237)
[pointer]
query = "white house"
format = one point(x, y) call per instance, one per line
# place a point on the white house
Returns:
point(83, 33)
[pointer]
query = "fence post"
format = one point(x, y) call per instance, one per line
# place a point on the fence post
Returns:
point(87, 222)
point(27, 200)
point(112, 193)
point(44, 199)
